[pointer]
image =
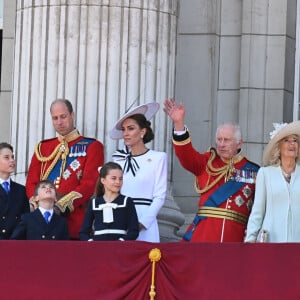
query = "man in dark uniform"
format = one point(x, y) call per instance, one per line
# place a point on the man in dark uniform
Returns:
point(224, 178)
point(13, 199)
point(70, 161)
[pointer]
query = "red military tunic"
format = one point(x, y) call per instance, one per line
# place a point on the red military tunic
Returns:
point(76, 179)
point(225, 222)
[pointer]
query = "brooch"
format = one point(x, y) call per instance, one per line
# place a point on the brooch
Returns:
point(247, 191)
point(239, 201)
point(75, 164)
point(66, 174)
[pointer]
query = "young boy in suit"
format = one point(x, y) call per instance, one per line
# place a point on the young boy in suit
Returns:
point(13, 199)
point(43, 223)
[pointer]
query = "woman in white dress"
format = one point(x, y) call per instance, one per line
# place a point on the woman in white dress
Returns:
point(145, 170)
point(276, 207)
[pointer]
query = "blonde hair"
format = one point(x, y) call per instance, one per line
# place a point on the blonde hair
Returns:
point(275, 158)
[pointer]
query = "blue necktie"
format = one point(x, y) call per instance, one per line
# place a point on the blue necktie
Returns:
point(5, 185)
point(46, 216)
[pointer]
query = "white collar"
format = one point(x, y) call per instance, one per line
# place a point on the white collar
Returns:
point(43, 210)
point(7, 180)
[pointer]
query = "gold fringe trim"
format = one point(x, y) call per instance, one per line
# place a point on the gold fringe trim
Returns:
point(67, 201)
point(154, 256)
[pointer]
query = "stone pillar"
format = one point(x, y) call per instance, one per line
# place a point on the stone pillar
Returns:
point(267, 70)
point(170, 220)
point(9, 8)
point(101, 55)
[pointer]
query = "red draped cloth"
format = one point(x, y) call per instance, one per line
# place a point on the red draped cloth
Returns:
point(122, 270)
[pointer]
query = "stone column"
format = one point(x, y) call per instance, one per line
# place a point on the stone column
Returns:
point(170, 220)
point(267, 69)
point(103, 56)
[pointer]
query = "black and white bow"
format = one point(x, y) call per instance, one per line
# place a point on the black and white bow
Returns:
point(130, 162)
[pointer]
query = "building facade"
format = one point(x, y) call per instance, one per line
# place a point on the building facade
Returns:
point(226, 60)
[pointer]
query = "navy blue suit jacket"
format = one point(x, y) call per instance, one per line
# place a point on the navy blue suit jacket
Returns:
point(12, 206)
point(34, 227)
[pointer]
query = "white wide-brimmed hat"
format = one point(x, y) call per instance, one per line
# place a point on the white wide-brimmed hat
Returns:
point(148, 110)
point(281, 131)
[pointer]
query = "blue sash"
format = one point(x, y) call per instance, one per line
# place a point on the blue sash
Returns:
point(219, 196)
point(55, 172)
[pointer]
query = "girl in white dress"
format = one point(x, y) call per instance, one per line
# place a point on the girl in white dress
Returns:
point(145, 170)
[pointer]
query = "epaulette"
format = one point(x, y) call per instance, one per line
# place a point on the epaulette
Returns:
point(89, 138)
point(85, 140)
point(255, 164)
point(47, 140)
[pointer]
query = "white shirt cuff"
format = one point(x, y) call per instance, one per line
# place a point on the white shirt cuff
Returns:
point(180, 132)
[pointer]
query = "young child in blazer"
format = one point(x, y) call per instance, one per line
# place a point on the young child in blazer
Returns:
point(13, 199)
point(43, 223)
point(110, 215)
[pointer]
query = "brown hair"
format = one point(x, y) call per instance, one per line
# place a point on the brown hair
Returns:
point(6, 146)
point(67, 103)
point(36, 190)
point(100, 190)
point(144, 123)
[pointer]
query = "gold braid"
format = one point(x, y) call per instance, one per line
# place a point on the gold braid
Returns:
point(225, 171)
point(41, 158)
point(61, 150)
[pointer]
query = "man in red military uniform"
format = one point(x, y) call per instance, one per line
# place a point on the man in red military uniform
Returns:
point(224, 178)
point(71, 161)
